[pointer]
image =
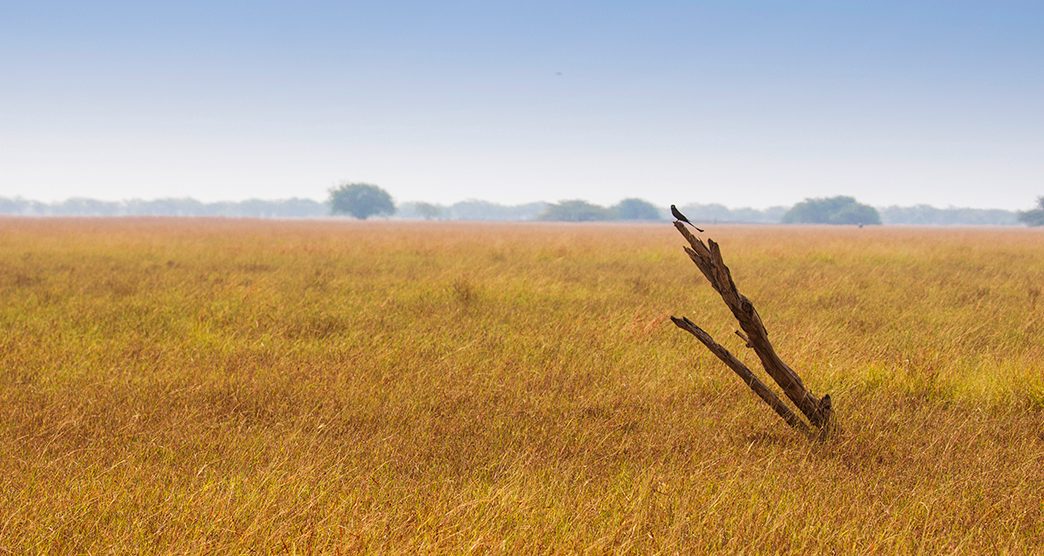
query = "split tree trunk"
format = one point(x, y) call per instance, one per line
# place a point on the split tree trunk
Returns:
point(708, 259)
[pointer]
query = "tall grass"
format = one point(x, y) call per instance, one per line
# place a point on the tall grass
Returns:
point(170, 385)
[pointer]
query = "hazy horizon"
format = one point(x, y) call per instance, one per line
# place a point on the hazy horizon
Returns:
point(759, 105)
point(399, 202)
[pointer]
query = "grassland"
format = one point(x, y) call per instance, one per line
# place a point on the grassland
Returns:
point(173, 385)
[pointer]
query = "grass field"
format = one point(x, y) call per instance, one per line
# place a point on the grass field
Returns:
point(177, 385)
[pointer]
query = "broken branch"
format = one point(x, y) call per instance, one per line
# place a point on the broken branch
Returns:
point(708, 259)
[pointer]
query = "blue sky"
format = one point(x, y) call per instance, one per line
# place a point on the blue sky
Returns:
point(742, 103)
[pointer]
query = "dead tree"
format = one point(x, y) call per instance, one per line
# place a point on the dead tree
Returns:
point(818, 411)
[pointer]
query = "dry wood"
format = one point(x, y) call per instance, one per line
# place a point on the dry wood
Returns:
point(708, 259)
point(759, 388)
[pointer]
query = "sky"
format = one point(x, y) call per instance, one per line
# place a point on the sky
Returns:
point(742, 103)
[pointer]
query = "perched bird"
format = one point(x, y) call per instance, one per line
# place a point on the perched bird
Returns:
point(681, 217)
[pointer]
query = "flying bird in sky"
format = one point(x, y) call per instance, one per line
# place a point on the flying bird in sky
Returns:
point(681, 217)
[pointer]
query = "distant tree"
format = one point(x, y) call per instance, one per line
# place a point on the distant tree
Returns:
point(484, 210)
point(361, 200)
point(831, 210)
point(86, 207)
point(1033, 217)
point(164, 207)
point(715, 212)
point(932, 216)
point(575, 211)
point(635, 209)
point(14, 206)
point(428, 211)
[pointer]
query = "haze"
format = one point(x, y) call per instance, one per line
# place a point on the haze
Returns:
point(755, 105)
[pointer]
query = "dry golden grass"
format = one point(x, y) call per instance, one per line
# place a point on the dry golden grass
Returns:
point(170, 385)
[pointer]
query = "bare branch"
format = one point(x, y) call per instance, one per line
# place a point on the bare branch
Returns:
point(709, 260)
point(759, 388)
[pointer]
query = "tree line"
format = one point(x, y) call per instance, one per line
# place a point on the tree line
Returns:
point(250, 208)
point(361, 200)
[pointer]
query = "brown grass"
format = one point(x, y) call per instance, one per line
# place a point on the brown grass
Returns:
point(176, 385)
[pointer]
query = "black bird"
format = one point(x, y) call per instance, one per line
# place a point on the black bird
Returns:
point(679, 216)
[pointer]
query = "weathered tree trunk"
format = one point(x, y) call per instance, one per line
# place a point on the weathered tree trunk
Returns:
point(708, 259)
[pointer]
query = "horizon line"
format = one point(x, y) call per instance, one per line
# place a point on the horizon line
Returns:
point(471, 200)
